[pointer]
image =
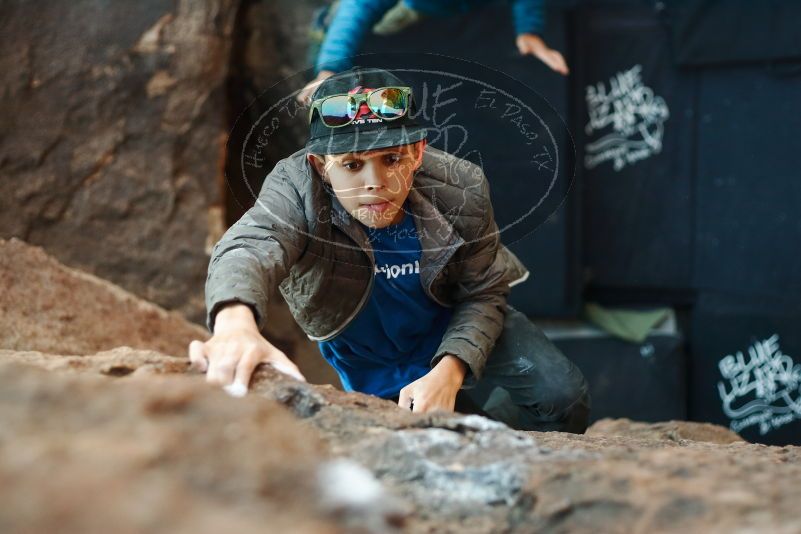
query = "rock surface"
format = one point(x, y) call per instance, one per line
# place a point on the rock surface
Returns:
point(669, 430)
point(111, 154)
point(86, 455)
point(48, 307)
point(442, 472)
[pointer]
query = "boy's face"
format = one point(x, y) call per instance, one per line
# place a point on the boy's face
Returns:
point(374, 184)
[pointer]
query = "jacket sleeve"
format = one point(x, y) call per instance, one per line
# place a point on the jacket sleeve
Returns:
point(480, 297)
point(528, 16)
point(255, 254)
point(343, 38)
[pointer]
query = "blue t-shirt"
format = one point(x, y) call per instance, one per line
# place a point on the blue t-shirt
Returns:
point(391, 341)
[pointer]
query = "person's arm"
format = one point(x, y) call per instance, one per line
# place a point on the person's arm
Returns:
point(529, 20)
point(255, 254)
point(529, 16)
point(351, 22)
point(475, 325)
point(480, 296)
point(245, 268)
point(437, 389)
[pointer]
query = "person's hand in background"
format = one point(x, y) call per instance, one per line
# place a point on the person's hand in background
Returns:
point(528, 43)
point(235, 350)
point(437, 389)
point(305, 94)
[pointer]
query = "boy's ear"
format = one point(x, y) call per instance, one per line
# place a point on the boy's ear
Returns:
point(318, 163)
point(420, 149)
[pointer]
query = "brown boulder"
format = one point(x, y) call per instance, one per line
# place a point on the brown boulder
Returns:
point(470, 474)
point(49, 307)
point(52, 308)
point(113, 147)
point(83, 454)
point(668, 430)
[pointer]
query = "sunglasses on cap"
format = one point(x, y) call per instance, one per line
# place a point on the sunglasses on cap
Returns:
point(387, 103)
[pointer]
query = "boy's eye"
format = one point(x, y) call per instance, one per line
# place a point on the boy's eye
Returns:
point(391, 159)
point(351, 165)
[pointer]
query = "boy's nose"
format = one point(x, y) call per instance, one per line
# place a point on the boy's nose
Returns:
point(373, 178)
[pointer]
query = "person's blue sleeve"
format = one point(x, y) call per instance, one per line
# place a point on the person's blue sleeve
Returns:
point(529, 16)
point(352, 20)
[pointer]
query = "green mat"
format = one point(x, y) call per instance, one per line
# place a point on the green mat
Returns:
point(630, 325)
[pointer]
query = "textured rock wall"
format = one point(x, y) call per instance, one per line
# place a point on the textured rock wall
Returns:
point(187, 457)
point(46, 306)
point(113, 127)
point(94, 435)
point(112, 131)
point(81, 454)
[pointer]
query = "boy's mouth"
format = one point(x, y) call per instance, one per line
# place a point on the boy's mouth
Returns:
point(376, 206)
point(374, 201)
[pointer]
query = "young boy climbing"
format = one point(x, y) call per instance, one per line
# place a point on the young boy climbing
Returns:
point(389, 257)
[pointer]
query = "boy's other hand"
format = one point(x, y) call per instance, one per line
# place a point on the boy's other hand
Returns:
point(236, 349)
point(528, 43)
point(305, 94)
point(437, 389)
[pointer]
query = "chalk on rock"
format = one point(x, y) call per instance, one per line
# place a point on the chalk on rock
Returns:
point(346, 484)
point(350, 491)
point(236, 389)
point(478, 423)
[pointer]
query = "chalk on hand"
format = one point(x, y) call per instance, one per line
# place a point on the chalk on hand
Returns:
point(287, 370)
point(236, 389)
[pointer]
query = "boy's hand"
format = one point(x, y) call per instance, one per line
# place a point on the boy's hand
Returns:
point(436, 390)
point(528, 43)
point(232, 354)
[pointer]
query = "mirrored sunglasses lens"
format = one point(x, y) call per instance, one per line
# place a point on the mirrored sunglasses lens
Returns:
point(337, 110)
point(388, 103)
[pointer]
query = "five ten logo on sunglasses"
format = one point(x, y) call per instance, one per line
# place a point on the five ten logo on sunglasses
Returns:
point(385, 103)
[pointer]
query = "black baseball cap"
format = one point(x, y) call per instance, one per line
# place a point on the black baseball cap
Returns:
point(358, 137)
